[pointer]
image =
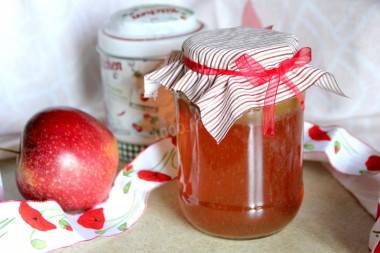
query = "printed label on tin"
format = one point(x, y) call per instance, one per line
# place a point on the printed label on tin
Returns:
point(154, 14)
point(132, 117)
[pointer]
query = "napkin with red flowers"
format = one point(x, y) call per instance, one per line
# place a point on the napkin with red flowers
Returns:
point(353, 163)
point(31, 226)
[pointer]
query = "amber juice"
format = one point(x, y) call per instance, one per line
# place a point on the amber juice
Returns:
point(248, 185)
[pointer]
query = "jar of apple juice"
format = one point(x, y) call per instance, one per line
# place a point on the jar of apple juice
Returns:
point(239, 109)
point(248, 185)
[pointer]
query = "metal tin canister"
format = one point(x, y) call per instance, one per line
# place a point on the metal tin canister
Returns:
point(134, 42)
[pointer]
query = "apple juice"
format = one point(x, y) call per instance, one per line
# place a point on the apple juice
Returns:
point(247, 186)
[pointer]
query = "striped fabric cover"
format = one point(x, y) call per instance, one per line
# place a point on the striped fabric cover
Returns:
point(223, 99)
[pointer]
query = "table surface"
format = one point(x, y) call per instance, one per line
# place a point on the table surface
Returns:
point(330, 220)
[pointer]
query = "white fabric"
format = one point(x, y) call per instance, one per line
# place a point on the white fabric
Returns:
point(48, 56)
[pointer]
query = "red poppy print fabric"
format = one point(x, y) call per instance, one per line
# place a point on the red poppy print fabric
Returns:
point(34, 218)
point(174, 140)
point(344, 152)
point(93, 219)
point(158, 165)
point(69, 228)
point(317, 134)
point(373, 163)
point(45, 221)
point(153, 176)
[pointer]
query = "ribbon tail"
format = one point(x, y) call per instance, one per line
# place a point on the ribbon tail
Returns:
point(294, 88)
point(269, 105)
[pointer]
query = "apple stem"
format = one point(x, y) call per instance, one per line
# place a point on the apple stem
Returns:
point(9, 150)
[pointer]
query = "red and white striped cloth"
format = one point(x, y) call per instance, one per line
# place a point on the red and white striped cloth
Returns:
point(222, 99)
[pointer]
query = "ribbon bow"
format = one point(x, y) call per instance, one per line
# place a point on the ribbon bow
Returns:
point(257, 75)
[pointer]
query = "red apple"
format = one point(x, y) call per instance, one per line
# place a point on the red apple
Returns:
point(68, 156)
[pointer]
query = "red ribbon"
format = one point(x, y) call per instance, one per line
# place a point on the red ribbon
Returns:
point(257, 75)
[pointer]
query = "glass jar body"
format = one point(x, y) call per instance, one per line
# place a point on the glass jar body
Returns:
point(247, 186)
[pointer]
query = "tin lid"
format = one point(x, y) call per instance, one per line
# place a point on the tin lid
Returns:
point(227, 72)
point(147, 31)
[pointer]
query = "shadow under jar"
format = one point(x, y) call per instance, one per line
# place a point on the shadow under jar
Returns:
point(247, 186)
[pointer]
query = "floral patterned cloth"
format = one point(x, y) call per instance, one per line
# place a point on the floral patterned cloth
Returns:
point(351, 162)
point(36, 225)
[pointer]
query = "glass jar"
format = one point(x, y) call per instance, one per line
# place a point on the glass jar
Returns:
point(239, 105)
point(247, 186)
